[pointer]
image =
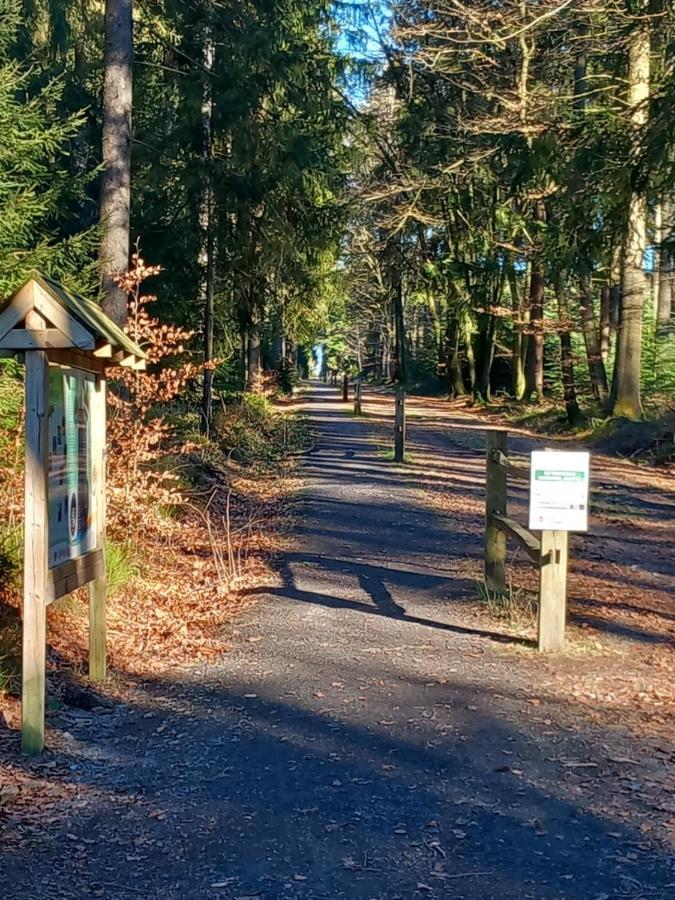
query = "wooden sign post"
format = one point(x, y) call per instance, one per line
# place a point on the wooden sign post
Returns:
point(559, 496)
point(399, 425)
point(345, 388)
point(495, 505)
point(358, 390)
point(552, 591)
point(67, 344)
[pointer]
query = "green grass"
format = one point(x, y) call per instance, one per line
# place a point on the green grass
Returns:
point(120, 565)
point(10, 651)
point(515, 606)
point(387, 454)
point(11, 555)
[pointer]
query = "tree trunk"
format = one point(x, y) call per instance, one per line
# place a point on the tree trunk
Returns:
point(535, 344)
point(243, 337)
point(517, 349)
point(596, 366)
point(487, 351)
point(470, 357)
point(116, 177)
point(534, 371)
point(626, 399)
point(400, 345)
point(207, 229)
point(574, 416)
point(455, 379)
point(615, 292)
point(589, 325)
point(436, 324)
point(254, 379)
point(664, 296)
point(605, 321)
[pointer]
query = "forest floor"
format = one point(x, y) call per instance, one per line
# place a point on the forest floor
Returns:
point(374, 731)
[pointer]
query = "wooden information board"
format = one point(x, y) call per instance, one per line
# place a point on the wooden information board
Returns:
point(67, 344)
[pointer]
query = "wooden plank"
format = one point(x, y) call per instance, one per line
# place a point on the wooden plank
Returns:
point(76, 360)
point(128, 360)
point(512, 469)
point(59, 317)
point(103, 350)
point(45, 339)
point(553, 590)
point(92, 316)
point(36, 552)
point(98, 587)
point(495, 505)
point(75, 573)
point(514, 529)
point(399, 425)
point(17, 309)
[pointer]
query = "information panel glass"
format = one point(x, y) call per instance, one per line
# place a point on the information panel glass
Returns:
point(72, 526)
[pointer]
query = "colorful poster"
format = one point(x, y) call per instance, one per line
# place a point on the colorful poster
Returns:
point(72, 529)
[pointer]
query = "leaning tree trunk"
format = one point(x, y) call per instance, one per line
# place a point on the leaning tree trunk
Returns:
point(116, 177)
point(626, 400)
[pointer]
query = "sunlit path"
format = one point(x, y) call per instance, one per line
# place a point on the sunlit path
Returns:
point(358, 741)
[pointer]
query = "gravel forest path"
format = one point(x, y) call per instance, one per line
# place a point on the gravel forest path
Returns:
point(361, 740)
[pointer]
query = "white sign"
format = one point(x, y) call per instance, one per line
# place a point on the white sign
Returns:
point(559, 490)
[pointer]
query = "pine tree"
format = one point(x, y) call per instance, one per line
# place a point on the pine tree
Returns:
point(38, 194)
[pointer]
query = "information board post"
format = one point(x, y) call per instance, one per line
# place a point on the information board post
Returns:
point(36, 549)
point(358, 393)
point(399, 424)
point(553, 590)
point(97, 587)
point(68, 344)
point(559, 497)
point(495, 504)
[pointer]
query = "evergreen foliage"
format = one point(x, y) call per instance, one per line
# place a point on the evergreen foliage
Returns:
point(39, 197)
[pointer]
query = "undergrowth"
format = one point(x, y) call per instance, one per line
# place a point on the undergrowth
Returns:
point(190, 518)
point(255, 433)
point(515, 606)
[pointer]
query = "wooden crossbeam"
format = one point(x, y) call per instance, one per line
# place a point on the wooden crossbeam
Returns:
point(39, 339)
point(514, 470)
point(78, 360)
point(514, 529)
point(75, 573)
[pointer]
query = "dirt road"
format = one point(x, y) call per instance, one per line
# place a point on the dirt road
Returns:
point(364, 738)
